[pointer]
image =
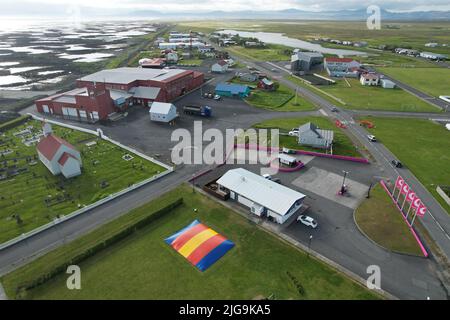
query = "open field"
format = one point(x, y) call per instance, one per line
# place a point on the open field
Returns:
point(359, 97)
point(434, 81)
point(143, 266)
point(421, 145)
point(342, 144)
point(270, 53)
point(397, 34)
point(33, 194)
point(380, 220)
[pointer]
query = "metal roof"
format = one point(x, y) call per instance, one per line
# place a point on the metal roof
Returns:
point(256, 188)
point(233, 88)
point(161, 107)
point(127, 75)
point(145, 92)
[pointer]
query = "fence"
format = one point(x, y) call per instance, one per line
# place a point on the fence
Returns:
point(303, 152)
point(95, 204)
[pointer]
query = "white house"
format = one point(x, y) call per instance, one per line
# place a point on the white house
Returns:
point(262, 196)
point(310, 135)
point(370, 79)
point(431, 45)
point(172, 57)
point(220, 67)
point(433, 56)
point(59, 156)
point(163, 112)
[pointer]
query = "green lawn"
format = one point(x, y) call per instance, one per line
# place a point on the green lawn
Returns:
point(282, 99)
point(434, 81)
point(24, 194)
point(381, 221)
point(270, 53)
point(194, 62)
point(421, 145)
point(143, 266)
point(362, 97)
point(342, 144)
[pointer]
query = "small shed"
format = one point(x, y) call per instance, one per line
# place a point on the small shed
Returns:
point(163, 112)
point(266, 84)
point(232, 90)
point(387, 84)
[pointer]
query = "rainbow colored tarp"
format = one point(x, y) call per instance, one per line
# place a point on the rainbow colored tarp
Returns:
point(200, 245)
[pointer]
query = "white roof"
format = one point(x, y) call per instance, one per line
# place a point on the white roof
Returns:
point(127, 75)
point(286, 157)
point(161, 107)
point(256, 188)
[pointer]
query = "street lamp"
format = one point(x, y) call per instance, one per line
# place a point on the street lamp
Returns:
point(343, 181)
point(193, 183)
point(368, 191)
point(309, 244)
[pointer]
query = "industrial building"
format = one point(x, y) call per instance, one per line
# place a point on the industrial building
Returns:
point(342, 67)
point(263, 197)
point(105, 92)
point(232, 90)
point(306, 61)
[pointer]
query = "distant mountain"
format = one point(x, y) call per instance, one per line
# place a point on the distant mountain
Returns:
point(295, 14)
point(62, 11)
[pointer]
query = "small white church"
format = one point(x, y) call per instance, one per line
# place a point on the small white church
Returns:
point(59, 156)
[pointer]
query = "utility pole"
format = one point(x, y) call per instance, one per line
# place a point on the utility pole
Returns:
point(309, 245)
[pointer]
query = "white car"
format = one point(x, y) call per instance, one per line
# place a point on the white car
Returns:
point(267, 176)
point(307, 221)
point(293, 133)
point(371, 138)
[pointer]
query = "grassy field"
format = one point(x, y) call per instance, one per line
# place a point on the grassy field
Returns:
point(143, 266)
point(190, 62)
point(434, 81)
point(421, 145)
point(381, 221)
point(270, 53)
point(342, 144)
point(396, 34)
point(104, 172)
point(361, 97)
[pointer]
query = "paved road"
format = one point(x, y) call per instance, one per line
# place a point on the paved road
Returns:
point(437, 222)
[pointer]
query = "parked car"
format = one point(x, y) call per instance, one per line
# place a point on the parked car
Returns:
point(307, 221)
point(217, 97)
point(267, 176)
point(334, 109)
point(371, 138)
point(397, 163)
point(293, 132)
point(288, 151)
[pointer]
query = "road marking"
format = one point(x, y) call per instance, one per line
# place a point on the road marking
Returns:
point(323, 112)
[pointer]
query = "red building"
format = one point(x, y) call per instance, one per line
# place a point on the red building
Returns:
point(108, 91)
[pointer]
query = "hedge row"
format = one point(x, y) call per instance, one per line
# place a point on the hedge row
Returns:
point(62, 267)
point(14, 123)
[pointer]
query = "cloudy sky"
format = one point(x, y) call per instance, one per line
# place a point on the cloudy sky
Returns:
point(12, 6)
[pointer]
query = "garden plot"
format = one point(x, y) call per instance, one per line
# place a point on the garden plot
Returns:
point(327, 185)
point(30, 196)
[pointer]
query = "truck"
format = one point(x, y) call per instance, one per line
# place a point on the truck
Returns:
point(203, 111)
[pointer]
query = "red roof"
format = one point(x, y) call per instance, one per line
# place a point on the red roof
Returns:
point(332, 59)
point(50, 144)
point(65, 156)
